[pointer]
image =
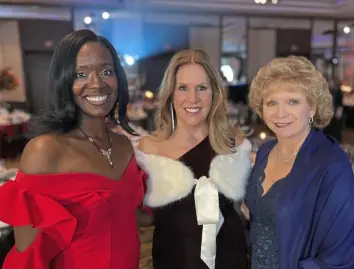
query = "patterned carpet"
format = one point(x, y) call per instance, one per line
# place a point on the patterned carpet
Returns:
point(146, 243)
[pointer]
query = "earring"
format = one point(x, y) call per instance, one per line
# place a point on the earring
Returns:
point(172, 116)
point(311, 119)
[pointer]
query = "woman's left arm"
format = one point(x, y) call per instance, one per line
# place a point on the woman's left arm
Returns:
point(144, 217)
point(334, 227)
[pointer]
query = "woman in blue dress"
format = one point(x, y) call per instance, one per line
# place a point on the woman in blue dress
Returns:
point(301, 192)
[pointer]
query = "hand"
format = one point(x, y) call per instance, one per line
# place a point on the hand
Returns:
point(339, 113)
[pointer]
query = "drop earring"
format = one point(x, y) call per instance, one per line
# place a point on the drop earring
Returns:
point(172, 117)
point(311, 119)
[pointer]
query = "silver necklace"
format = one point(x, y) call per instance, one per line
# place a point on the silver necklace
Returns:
point(106, 153)
point(277, 153)
point(277, 156)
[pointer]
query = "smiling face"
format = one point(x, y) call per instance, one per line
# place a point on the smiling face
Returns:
point(286, 111)
point(95, 88)
point(192, 95)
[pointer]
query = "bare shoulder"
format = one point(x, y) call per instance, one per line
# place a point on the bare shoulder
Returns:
point(41, 155)
point(149, 144)
point(123, 142)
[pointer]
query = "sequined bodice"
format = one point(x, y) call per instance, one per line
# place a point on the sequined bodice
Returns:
point(263, 214)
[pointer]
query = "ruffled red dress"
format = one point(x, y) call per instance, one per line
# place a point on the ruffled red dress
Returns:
point(86, 221)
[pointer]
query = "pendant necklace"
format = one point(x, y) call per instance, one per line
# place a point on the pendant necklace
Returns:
point(106, 153)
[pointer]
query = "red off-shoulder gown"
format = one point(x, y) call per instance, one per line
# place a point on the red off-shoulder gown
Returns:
point(86, 221)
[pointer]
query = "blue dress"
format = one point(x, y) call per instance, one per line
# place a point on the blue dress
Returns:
point(264, 249)
point(306, 220)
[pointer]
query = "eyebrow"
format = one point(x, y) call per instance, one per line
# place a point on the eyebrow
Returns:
point(89, 65)
point(200, 84)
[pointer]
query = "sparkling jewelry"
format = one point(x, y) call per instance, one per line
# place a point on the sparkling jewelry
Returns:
point(106, 153)
point(277, 153)
point(277, 156)
point(172, 117)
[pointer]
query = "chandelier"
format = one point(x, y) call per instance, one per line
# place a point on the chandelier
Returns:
point(263, 2)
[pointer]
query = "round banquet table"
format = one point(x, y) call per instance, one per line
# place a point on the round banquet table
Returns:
point(11, 131)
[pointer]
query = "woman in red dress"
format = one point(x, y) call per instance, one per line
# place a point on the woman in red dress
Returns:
point(73, 203)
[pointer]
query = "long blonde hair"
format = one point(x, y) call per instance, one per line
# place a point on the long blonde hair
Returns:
point(221, 134)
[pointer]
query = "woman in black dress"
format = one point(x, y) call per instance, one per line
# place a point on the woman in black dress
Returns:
point(197, 171)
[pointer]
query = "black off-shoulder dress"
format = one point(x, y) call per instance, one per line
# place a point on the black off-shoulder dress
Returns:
point(177, 236)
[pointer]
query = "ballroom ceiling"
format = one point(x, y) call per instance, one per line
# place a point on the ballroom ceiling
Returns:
point(332, 8)
point(284, 7)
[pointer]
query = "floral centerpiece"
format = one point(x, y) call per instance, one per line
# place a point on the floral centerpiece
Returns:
point(8, 81)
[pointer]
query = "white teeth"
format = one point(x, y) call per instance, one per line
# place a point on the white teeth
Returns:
point(96, 98)
point(192, 110)
point(282, 124)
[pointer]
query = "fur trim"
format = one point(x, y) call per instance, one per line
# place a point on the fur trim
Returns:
point(170, 180)
point(230, 173)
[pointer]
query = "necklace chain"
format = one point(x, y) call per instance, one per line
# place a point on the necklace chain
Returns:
point(277, 156)
point(277, 153)
point(106, 153)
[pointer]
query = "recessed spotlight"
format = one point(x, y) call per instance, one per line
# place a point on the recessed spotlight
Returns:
point(105, 15)
point(87, 20)
point(129, 59)
point(346, 29)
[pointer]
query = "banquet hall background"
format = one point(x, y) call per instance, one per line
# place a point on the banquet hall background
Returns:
point(239, 35)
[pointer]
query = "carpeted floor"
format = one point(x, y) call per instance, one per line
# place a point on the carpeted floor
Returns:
point(146, 244)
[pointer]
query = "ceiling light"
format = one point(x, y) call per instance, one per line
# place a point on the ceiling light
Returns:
point(129, 60)
point(346, 29)
point(87, 20)
point(263, 2)
point(105, 15)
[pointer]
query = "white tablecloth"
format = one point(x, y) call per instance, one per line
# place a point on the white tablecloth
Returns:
point(3, 225)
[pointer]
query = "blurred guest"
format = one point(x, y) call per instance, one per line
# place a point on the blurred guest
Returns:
point(74, 200)
point(197, 169)
point(335, 127)
point(300, 194)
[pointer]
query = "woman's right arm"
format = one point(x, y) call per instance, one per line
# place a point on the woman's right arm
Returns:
point(144, 217)
point(39, 157)
point(43, 227)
